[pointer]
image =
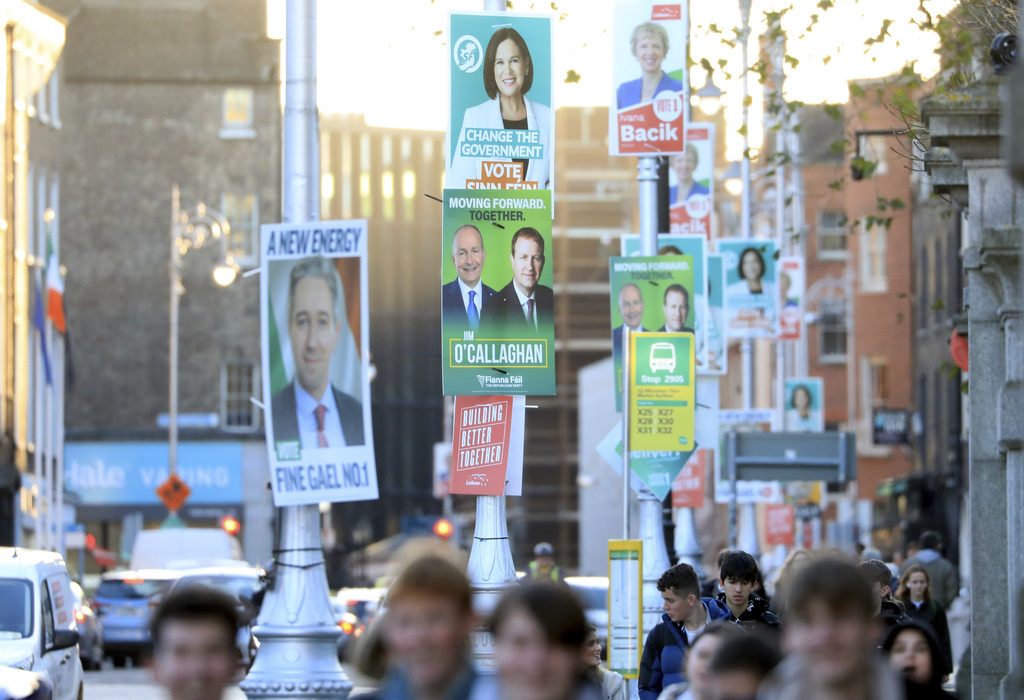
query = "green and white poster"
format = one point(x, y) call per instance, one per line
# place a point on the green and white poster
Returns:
point(649, 294)
point(497, 301)
point(662, 391)
point(501, 120)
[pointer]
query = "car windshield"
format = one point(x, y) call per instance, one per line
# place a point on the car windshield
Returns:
point(131, 588)
point(591, 597)
point(16, 611)
point(237, 586)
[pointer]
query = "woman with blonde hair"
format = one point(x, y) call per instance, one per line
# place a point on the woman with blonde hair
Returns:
point(915, 592)
point(795, 560)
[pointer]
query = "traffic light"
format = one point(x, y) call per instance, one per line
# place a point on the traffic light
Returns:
point(443, 528)
point(90, 541)
point(230, 525)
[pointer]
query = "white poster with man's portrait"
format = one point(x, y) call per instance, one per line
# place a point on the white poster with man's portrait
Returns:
point(315, 340)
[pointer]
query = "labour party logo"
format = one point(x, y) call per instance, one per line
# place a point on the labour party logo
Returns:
point(468, 54)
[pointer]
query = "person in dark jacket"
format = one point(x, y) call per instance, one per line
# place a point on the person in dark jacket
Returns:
point(915, 593)
point(914, 652)
point(878, 575)
point(738, 577)
point(686, 616)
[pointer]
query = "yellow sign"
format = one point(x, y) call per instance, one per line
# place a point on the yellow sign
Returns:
point(662, 394)
point(625, 607)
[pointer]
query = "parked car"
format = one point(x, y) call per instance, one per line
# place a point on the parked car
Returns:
point(347, 623)
point(24, 685)
point(38, 632)
point(361, 602)
point(122, 603)
point(592, 592)
point(246, 584)
point(90, 631)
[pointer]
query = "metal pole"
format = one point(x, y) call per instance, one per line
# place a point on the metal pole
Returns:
point(491, 569)
point(172, 354)
point(778, 51)
point(626, 468)
point(298, 654)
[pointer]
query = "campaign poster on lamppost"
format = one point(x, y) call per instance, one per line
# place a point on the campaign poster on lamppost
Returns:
point(690, 177)
point(648, 59)
point(696, 248)
point(805, 412)
point(501, 120)
point(791, 297)
point(717, 343)
point(497, 302)
point(649, 294)
point(487, 445)
point(751, 295)
point(315, 342)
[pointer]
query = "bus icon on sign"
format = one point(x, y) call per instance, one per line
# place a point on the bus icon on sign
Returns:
point(663, 357)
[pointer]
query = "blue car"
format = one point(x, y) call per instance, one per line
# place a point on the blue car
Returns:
point(122, 603)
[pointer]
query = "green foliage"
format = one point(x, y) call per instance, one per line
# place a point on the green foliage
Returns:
point(836, 112)
point(572, 76)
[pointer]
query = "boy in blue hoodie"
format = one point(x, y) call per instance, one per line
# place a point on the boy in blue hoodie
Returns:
point(686, 615)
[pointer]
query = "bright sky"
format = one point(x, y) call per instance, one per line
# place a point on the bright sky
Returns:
point(382, 59)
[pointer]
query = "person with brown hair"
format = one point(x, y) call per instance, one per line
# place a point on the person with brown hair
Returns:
point(426, 632)
point(832, 637)
point(612, 684)
point(915, 592)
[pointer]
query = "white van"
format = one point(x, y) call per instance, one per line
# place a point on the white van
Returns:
point(37, 619)
point(185, 548)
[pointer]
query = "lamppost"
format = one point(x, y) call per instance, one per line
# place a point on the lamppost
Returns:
point(190, 229)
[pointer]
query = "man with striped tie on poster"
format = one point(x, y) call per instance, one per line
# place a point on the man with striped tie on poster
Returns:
point(311, 409)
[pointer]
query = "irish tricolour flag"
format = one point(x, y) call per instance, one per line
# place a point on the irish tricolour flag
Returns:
point(55, 289)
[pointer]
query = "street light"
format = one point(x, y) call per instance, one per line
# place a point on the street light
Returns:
point(708, 99)
point(190, 229)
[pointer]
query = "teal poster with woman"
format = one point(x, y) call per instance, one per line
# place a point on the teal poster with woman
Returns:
point(751, 292)
point(805, 412)
point(501, 120)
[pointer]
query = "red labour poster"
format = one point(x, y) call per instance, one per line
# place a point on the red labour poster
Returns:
point(481, 444)
point(779, 524)
point(688, 487)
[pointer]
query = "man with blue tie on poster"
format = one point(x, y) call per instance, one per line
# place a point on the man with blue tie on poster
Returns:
point(462, 299)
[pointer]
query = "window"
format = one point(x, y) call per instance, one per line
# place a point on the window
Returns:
point(831, 235)
point(877, 372)
point(242, 212)
point(875, 148)
point(238, 381)
point(54, 87)
point(832, 331)
point(237, 117)
point(872, 257)
point(47, 616)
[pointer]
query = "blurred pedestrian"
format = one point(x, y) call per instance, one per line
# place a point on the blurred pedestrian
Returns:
point(194, 651)
point(697, 666)
point(686, 616)
point(709, 588)
point(915, 654)
point(740, 666)
point(915, 595)
point(543, 567)
point(426, 631)
point(738, 578)
point(877, 575)
point(941, 572)
point(795, 560)
point(539, 630)
point(832, 638)
point(612, 684)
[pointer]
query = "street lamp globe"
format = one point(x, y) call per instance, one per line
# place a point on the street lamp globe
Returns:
point(708, 99)
point(224, 274)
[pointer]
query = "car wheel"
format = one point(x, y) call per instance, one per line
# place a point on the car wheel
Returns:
point(118, 659)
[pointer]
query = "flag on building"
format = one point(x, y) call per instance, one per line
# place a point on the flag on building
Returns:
point(55, 289)
point(39, 321)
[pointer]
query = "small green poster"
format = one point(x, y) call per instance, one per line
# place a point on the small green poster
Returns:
point(662, 394)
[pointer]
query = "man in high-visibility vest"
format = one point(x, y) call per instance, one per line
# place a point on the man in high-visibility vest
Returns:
point(543, 567)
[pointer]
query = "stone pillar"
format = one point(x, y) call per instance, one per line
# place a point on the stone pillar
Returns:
point(966, 163)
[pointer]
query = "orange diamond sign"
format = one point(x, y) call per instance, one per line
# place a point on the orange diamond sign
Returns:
point(173, 492)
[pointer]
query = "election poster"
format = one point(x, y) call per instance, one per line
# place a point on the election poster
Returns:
point(791, 297)
point(501, 119)
point(315, 342)
point(497, 301)
point(779, 524)
point(691, 195)
point(751, 420)
point(688, 487)
point(751, 295)
point(696, 247)
point(717, 343)
point(805, 412)
point(650, 294)
point(487, 445)
point(648, 61)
